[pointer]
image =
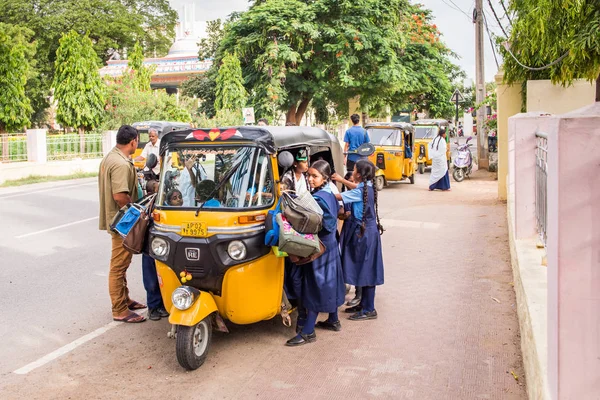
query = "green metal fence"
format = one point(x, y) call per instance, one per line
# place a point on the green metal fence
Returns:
point(13, 147)
point(69, 146)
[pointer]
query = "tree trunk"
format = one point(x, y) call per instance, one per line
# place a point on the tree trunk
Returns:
point(598, 88)
point(290, 117)
point(301, 110)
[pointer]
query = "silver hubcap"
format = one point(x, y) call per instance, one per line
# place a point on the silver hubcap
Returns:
point(200, 338)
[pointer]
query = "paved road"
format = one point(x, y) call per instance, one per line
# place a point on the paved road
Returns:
point(447, 326)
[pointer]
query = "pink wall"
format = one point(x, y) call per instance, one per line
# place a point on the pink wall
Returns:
point(522, 143)
point(574, 255)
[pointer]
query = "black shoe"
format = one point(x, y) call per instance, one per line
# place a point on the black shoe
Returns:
point(154, 314)
point(301, 339)
point(331, 326)
point(363, 315)
point(354, 309)
point(163, 312)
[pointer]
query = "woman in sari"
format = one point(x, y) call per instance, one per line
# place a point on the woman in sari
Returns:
point(439, 178)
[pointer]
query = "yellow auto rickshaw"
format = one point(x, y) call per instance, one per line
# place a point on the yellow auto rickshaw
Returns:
point(394, 144)
point(425, 131)
point(216, 188)
point(162, 127)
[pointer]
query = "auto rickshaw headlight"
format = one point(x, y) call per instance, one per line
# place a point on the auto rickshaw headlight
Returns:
point(160, 247)
point(236, 250)
point(183, 298)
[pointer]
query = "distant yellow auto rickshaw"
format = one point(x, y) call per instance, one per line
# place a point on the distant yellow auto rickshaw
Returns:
point(425, 131)
point(208, 237)
point(393, 158)
point(162, 127)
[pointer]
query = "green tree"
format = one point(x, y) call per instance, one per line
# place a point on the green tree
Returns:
point(291, 50)
point(112, 25)
point(78, 89)
point(230, 92)
point(16, 51)
point(430, 72)
point(544, 31)
point(141, 76)
point(204, 86)
point(126, 104)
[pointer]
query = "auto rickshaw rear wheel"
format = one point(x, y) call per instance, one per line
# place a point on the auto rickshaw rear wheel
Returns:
point(379, 182)
point(412, 179)
point(421, 168)
point(193, 343)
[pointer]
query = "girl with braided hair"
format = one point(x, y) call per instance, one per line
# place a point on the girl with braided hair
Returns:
point(323, 288)
point(360, 241)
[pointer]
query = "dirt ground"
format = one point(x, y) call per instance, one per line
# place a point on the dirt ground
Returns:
point(447, 326)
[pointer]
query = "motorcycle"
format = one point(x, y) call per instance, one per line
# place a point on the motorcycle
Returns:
point(463, 161)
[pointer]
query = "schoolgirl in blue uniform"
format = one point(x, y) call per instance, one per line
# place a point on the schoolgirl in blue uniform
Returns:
point(323, 288)
point(360, 240)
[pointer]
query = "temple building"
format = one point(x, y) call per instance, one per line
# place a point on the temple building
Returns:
point(170, 71)
point(181, 62)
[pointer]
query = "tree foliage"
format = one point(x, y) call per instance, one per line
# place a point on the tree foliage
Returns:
point(16, 50)
point(292, 50)
point(110, 24)
point(141, 75)
point(203, 87)
point(78, 89)
point(430, 73)
point(126, 104)
point(544, 30)
point(230, 92)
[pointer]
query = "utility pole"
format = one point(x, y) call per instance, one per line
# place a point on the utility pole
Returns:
point(482, 151)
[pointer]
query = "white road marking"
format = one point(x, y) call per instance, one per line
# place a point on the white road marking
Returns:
point(65, 349)
point(55, 228)
point(47, 190)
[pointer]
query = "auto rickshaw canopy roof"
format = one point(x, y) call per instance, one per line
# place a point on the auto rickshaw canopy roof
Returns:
point(438, 122)
point(161, 126)
point(272, 138)
point(405, 126)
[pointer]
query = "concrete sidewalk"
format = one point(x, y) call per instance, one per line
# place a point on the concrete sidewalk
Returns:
point(447, 326)
point(20, 170)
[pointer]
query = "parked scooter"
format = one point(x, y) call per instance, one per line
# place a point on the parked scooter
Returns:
point(463, 161)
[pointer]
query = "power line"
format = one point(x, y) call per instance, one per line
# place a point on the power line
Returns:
point(559, 59)
point(491, 41)
point(497, 19)
point(457, 8)
point(505, 11)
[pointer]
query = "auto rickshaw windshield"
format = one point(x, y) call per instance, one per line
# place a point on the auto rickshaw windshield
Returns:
point(385, 136)
point(426, 132)
point(223, 177)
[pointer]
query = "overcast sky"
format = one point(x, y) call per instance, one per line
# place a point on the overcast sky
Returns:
point(453, 18)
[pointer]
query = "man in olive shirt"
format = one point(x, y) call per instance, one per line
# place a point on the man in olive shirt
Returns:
point(117, 183)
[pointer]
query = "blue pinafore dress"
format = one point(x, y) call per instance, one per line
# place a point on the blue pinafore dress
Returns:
point(362, 258)
point(323, 288)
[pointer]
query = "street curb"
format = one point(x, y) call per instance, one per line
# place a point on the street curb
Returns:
point(531, 289)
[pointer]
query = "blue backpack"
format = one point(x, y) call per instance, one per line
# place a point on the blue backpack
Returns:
point(271, 226)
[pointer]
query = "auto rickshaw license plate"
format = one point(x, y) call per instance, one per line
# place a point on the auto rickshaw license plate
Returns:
point(193, 229)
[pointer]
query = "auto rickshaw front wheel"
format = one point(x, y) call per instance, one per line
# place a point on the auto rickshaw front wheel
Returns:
point(421, 168)
point(193, 343)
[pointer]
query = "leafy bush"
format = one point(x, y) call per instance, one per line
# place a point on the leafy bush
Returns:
point(127, 105)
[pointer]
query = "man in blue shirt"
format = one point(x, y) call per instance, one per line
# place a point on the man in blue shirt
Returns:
point(355, 136)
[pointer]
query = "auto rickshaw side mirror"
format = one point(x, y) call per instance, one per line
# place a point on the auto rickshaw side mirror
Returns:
point(151, 161)
point(285, 159)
